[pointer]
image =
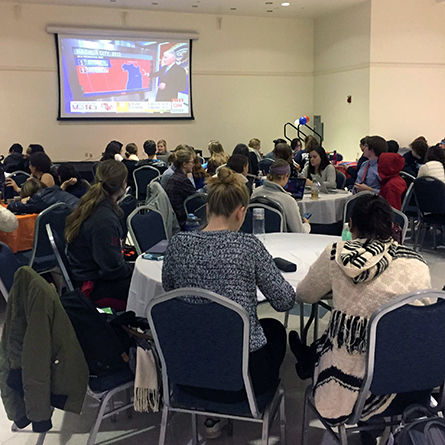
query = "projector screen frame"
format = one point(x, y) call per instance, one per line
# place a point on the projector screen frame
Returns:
point(124, 34)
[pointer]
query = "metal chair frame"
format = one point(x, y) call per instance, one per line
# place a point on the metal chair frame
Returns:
point(137, 186)
point(351, 200)
point(270, 412)
point(341, 437)
point(401, 217)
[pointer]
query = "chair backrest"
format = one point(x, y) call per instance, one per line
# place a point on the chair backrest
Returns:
point(56, 215)
point(197, 204)
point(8, 267)
point(350, 203)
point(405, 348)
point(147, 228)
point(409, 179)
point(131, 167)
point(401, 219)
point(212, 353)
point(429, 193)
point(60, 256)
point(340, 179)
point(142, 176)
point(20, 177)
point(409, 205)
point(265, 164)
point(274, 220)
point(127, 204)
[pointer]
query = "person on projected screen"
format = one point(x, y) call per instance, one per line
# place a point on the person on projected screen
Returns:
point(172, 78)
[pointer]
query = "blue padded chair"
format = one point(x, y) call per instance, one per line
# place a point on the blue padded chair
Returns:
point(127, 204)
point(210, 354)
point(8, 267)
point(350, 202)
point(273, 215)
point(429, 194)
point(147, 228)
point(197, 204)
point(405, 356)
point(41, 257)
point(264, 165)
point(340, 180)
point(131, 167)
point(142, 176)
point(401, 219)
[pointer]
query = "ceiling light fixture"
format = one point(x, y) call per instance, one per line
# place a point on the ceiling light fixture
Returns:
point(233, 9)
point(269, 3)
point(285, 4)
point(194, 6)
point(269, 10)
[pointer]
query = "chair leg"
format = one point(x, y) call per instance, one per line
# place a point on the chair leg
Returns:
point(194, 429)
point(164, 420)
point(283, 421)
point(301, 319)
point(316, 322)
point(343, 435)
point(41, 439)
point(100, 415)
point(265, 435)
point(129, 411)
point(305, 423)
point(286, 319)
point(422, 237)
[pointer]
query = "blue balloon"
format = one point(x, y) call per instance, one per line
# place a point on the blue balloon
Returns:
point(303, 120)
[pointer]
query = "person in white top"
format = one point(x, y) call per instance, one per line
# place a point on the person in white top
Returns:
point(435, 164)
point(320, 165)
point(8, 221)
point(272, 189)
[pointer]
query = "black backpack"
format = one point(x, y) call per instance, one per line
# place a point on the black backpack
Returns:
point(419, 427)
point(105, 346)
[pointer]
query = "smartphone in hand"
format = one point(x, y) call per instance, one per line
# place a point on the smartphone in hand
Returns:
point(307, 215)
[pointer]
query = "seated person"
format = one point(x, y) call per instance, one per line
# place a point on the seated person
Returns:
point(271, 155)
point(363, 274)
point(171, 169)
point(93, 233)
point(240, 165)
point(161, 150)
point(199, 174)
point(36, 197)
point(131, 152)
point(179, 186)
point(277, 178)
point(320, 165)
point(368, 177)
point(32, 148)
point(255, 154)
point(392, 185)
point(233, 267)
point(352, 171)
point(15, 160)
point(8, 221)
point(435, 164)
point(112, 151)
point(152, 161)
point(71, 181)
point(283, 151)
point(393, 146)
point(302, 157)
point(416, 156)
point(218, 157)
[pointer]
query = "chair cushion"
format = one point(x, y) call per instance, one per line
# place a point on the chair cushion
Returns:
point(184, 399)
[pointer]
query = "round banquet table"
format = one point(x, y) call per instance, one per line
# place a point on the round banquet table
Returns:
point(22, 238)
point(300, 248)
point(328, 209)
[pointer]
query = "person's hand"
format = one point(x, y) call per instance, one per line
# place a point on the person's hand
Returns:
point(25, 200)
point(162, 86)
point(68, 183)
point(363, 187)
point(11, 183)
point(305, 220)
point(309, 183)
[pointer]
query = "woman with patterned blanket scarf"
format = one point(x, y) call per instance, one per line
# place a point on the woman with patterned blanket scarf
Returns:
point(362, 274)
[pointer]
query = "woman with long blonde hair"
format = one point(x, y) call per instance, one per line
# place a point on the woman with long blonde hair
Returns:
point(93, 233)
point(218, 157)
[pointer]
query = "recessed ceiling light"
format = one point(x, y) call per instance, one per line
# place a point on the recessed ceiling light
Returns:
point(156, 4)
point(285, 4)
point(194, 6)
point(269, 10)
point(269, 3)
point(233, 9)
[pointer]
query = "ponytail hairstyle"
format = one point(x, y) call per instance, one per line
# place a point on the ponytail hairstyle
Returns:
point(227, 191)
point(183, 155)
point(131, 149)
point(372, 217)
point(171, 158)
point(110, 176)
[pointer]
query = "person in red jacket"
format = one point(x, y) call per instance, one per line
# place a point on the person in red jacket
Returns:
point(392, 185)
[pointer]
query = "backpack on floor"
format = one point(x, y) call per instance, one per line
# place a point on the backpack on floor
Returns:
point(419, 427)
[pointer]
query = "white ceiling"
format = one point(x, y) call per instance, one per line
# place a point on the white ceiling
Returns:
point(253, 8)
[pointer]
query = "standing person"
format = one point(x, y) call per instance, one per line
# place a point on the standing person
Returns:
point(233, 264)
point(179, 186)
point(15, 160)
point(363, 274)
point(368, 177)
point(416, 156)
point(172, 78)
point(273, 189)
point(93, 233)
point(320, 165)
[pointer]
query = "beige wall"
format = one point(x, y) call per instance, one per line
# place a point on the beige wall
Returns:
point(250, 78)
point(341, 64)
point(407, 69)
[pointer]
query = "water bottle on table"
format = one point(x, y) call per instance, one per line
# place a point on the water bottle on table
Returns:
point(258, 224)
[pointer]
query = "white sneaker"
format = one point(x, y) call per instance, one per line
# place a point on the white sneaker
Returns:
point(214, 426)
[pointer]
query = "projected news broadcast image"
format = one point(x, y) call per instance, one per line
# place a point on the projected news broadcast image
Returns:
point(124, 78)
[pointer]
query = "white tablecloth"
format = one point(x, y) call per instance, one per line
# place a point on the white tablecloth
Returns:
point(328, 209)
point(299, 248)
